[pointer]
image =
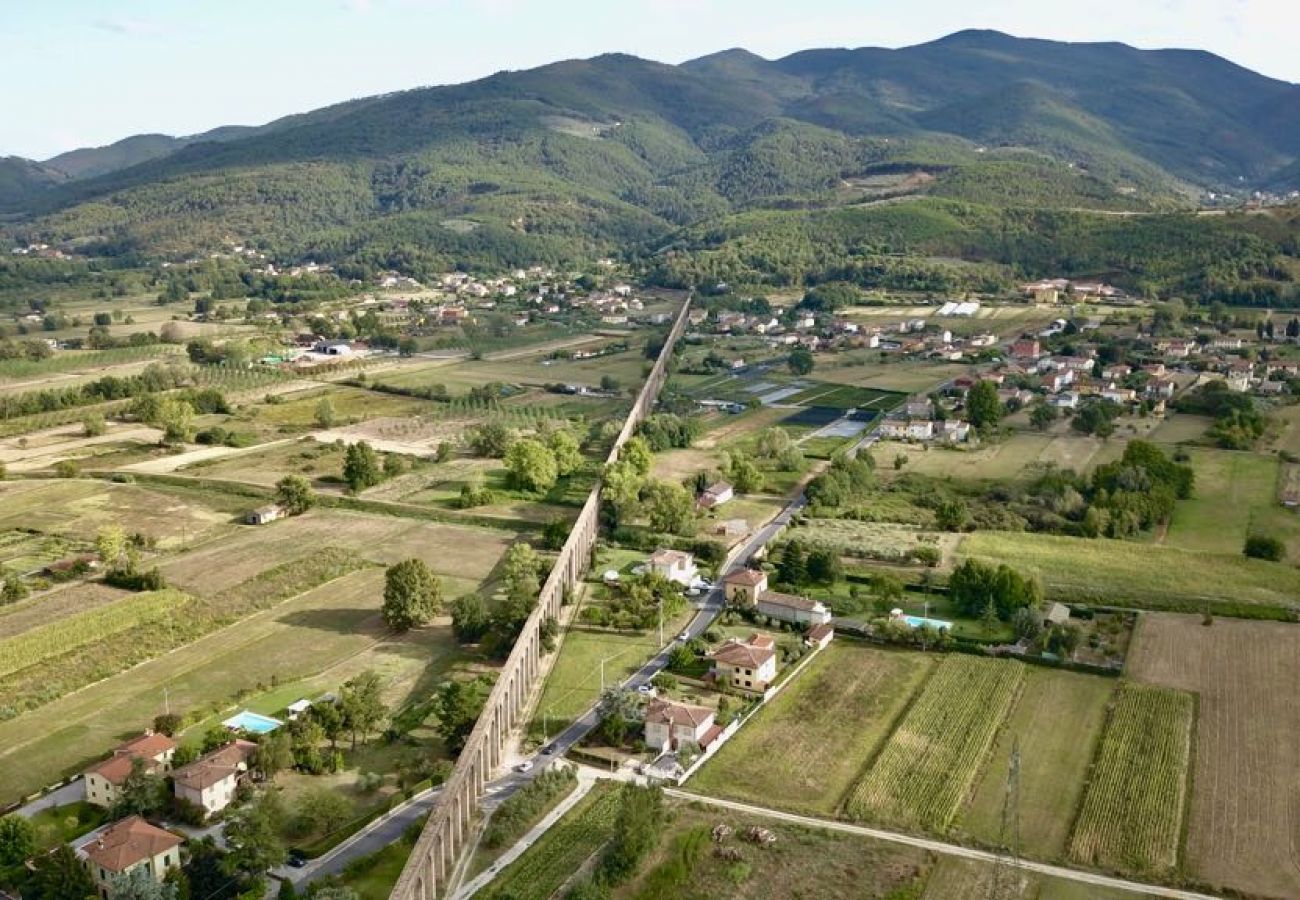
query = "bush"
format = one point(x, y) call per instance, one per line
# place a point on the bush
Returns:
point(1262, 546)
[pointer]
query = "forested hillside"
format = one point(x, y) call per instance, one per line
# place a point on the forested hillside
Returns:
point(881, 166)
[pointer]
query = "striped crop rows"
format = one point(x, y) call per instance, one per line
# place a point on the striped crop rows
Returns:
point(562, 850)
point(927, 767)
point(56, 638)
point(1131, 816)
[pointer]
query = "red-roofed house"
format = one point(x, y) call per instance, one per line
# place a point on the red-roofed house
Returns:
point(668, 725)
point(819, 635)
point(749, 664)
point(103, 780)
point(743, 587)
point(210, 781)
point(128, 845)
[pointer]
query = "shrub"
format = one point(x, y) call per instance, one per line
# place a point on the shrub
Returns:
point(1263, 546)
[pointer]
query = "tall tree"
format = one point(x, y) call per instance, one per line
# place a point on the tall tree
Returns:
point(532, 465)
point(361, 468)
point(294, 493)
point(59, 875)
point(253, 836)
point(139, 884)
point(17, 840)
point(362, 704)
point(412, 595)
point(983, 406)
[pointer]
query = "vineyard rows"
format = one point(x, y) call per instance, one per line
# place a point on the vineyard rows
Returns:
point(56, 638)
point(927, 767)
point(561, 851)
point(1132, 812)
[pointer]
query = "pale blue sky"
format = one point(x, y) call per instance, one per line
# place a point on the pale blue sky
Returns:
point(88, 72)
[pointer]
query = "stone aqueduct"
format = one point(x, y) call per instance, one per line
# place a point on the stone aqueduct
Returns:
point(435, 853)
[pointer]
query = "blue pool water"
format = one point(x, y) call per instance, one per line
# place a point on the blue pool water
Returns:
point(917, 622)
point(252, 722)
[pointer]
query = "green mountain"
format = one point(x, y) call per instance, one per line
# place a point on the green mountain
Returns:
point(618, 154)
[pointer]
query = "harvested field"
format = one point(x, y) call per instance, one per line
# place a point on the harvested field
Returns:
point(1132, 812)
point(926, 769)
point(56, 604)
point(1244, 821)
point(804, 750)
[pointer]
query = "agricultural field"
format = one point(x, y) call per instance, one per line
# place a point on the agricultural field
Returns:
point(864, 369)
point(58, 603)
point(1127, 573)
point(1008, 459)
point(803, 751)
point(925, 770)
point(351, 405)
point(1132, 812)
point(960, 879)
point(1054, 728)
point(561, 851)
point(1241, 830)
point(871, 540)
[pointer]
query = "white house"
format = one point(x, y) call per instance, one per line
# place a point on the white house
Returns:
point(716, 494)
point(103, 780)
point(907, 430)
point(210, 781)
point(789, 608)
point(749, 665)
point(669, 725)
point(675, 565)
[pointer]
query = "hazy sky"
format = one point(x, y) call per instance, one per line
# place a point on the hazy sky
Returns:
point(88, 72)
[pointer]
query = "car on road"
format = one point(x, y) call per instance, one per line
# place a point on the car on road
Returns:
point(525, 766)
point(684, 636)
point(645, 690)
point(548, 750)
point(296, 859)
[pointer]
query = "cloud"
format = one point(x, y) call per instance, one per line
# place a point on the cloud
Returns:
point(130, 26)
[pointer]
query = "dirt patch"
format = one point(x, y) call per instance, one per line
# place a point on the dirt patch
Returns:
point(1244, 826)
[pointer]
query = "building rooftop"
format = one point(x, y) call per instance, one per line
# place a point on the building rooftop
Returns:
point(125, 843)
point(750, 653)
point(746, 577)
point(774, 598)
point(668, 713)
point(217, 766)
point(666, 557)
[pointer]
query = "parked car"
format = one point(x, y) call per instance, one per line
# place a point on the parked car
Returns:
point(525, 766)
point(645, 690)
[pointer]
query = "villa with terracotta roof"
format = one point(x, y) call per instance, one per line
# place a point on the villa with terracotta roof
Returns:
point(675, 565)
point(749, 665)
point(669, 725)
point(210, 781)
point(743, 587)
point(127, 845)
point(103, 780)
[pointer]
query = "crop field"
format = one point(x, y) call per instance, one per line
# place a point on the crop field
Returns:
point(1012, 458)
point(844, 397)
point(50, 606)
point(958, 879)
point(325, 634)
point(1132, 811)
point(870, 540)
point(22, 370)
point(561, 851)
point(803, 751)
point(350, 404)
point(1147, 576)
point(56, 638)
point(1242, 820)
point(904, 376)
point(1055, 726)
point(76, 509)
point(927, 767)
point(25, 551)
point(1177, 428)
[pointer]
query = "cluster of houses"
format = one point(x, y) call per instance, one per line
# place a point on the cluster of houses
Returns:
point(1066, 380)
point(1063, 290)
point(209, 783)
point(917, 421)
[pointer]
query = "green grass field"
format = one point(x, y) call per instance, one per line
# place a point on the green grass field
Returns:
point(1142, 575)
point(1054, 726)
point(926, 769)
point(804, 750)
point(1132, 813)
point(1009, 458)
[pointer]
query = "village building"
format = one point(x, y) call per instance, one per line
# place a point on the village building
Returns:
point(716, 494)
point(749, 665)
point(265, 514)
point(125, 846)
point(104, 780)
point(788, 608)
point(819, 636)
point(1026, 348)
point(670, 725)
point(210, 781)
point(675, 565)
point(743, 587)
point(1056, 614)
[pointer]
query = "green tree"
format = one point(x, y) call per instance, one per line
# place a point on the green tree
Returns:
point(140, 884)
point(792, 569)
point(444, 452)
point(362, 704)
point(1042, 415)
point(325, 413)
point(412, 595)
point(59, 875)
point(1263, 546)
point(205, 871)
point(1026, 623)
point(321, 810)
point(253, 837)
point(637, 453)
point(458, 704)
point(470, 618)
point(824, 566)
point(361, 467)
point(491, 439)
point(620, 492)
point(13, 588)
point(636, 832)
point(294, 493)
point(523, 571)
point(176, 418)
point(274, 754)
point(141, 794)
point(669, 507)
point(800, 361)
point(93, 425)
point(532, 465)
point(564, 448)
point(746, 477)
point(17, 840)
point(952, 515)
point(983, 407)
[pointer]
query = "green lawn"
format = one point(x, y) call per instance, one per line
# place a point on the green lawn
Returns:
point(1054, 726)
point(61, 824)
point(805, 749)
point(1142, 575)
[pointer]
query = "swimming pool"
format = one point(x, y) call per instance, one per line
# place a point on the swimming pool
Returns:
point(918, 621)
point(252, 722)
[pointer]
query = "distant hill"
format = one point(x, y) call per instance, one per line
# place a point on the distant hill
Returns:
point(615, 153)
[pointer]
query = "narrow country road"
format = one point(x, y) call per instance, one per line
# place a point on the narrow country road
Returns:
point(945, 849)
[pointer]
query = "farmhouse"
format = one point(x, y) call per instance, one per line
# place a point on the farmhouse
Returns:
point(1026, 349)
point(210, 781)
point(669, 725)
point(744, 586)
point(1056, 614)
point(128, 845)
point(749, 664)
point(819, 636)
point(265, 514)
point(903, 429)
point(674, 565)
point(789, 608)
point(716, 495)
point(103, 780)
